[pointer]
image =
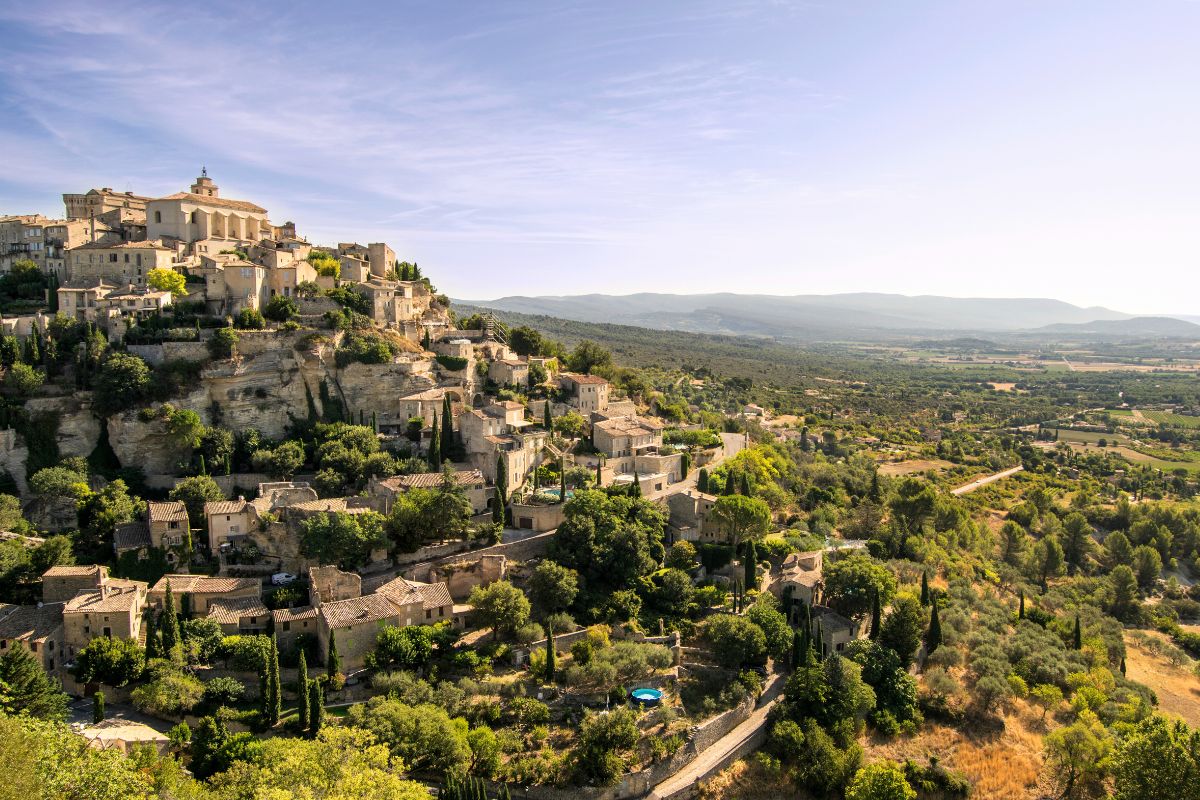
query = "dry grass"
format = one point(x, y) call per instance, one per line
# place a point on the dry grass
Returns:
point(911, 466)
point(1178, 690)
point(1003, 387)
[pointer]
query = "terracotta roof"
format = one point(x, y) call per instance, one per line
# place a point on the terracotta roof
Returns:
point(625, 426)
point(400, 592)
point(332, 505)
point(131, 536)
point(358, 610)
point(432, 480)
point(594, 379)
point(81, 284)
point(113, 598)
point(294, 614)
point(152, 244)
point(218, 202)
point(434, 595)
point(73, 571)
point(170, 511)
point(231, 611)
point(204, 584)
point(224, 507)
point(29, 622)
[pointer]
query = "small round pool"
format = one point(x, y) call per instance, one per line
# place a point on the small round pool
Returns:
point(646, 697)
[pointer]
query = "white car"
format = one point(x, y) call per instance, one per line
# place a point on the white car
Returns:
point(282, 578)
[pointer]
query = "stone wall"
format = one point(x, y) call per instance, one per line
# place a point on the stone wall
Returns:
point(156, 354)
point(538, 517)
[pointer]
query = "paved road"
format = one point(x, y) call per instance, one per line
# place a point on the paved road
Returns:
point(728, 745)
point(985, 480)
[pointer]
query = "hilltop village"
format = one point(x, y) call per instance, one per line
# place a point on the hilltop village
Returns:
point(273, 515)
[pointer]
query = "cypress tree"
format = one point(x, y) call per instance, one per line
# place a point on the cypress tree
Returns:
point(169, 623)
point(375, 421)
point(203, 467)
point(447, 426)
point(745, 490)
point(98, 708)
point(876, 616)
point(551, 654)
point(435, 446)
point(876, 494)
point(685, 465)
point(635, 490)
point(497, 507)
point(933, 637)
point(1122, 665)
point(798, 647)
point(751, 565)
point(333, 661)
point(562, 480)
point(276, 699)
point(702, 480)
point(1021, 607)
point(1078, 642)
point(820, 640)
point(599, 475)
point(316, 712)
point(924, 588)
point(729, 485)
point(153, 645)
point(502, 479)
point(804, 439)
point(303, 689)
point(503, 793)
point(547, 417)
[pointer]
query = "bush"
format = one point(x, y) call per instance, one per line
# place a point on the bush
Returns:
point(250, 319)
point(451, 363)
point(281, 309)
point(223, 342)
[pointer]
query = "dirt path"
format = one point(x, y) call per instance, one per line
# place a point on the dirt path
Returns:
point(985, 480)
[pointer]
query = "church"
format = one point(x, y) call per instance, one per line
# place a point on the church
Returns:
point(205, 222)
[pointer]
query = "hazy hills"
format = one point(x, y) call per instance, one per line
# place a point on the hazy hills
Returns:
point(849, 316)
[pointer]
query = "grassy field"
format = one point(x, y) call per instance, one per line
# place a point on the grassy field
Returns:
point(1177, 420)
point(1177, 688)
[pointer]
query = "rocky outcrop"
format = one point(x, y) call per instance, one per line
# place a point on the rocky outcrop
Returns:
point(78, 427)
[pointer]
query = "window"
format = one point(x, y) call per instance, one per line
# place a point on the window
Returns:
point(158, 216)
point(429, 613)
point(287, 626)
point(33, 647)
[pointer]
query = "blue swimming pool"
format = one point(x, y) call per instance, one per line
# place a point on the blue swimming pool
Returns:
point(646, 697)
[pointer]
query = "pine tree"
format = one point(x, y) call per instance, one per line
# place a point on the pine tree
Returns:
point(1078, 642)
point(729, 485)
point(435, 446)
point(98, 708)
point(702, 481)
point(876, 616)
point(924, 588)
point(333, 661)
point(1021, 607)
point(876, 493)
point(547, 417)
point(302, 688)
point(933, 636)
point(551, 654)
point(447, 426)
point(751, 565)
point(27, 689)
point(316, 712)
point(169, 623)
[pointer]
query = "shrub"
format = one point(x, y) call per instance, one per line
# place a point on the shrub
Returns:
point(250, 319)
point(223, 342)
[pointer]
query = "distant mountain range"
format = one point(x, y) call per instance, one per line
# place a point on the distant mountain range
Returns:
point(849, 316)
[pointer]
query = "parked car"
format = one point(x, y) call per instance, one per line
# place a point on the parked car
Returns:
point(282, 578)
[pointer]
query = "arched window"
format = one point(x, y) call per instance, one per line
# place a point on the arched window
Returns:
point(158, 216)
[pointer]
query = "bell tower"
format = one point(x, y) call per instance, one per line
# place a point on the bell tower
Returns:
point(204, 185)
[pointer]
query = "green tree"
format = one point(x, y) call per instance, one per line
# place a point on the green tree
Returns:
point(168, 622)
point(1077, 756)
point(1159, 758)
point(1077, 542)
point(316, 713)
point(587, 357)
point(194, 492)
point(25, 688)
point(1047, 559)
point(551, 654)
point(880, 781)
point(250, 319)
point(116, 662)
point(603, 738)
point(447, 444)
point(425, 737)
point(740, 517)
point(333, 661)
point(97, 708)
point(23, 380)
point(500, 606)
point(169, 694)
point(751, 565)
point(223, 343)
point(552, 588)
point(281, 309)
point(924, 588)
point(774, 626)
point(435, 446)
point(852, 582)
point(1119, 551)
point(735, 641)
point(343, 539)
point(1147, 564)
point(1124, 593)
point(123, 382)
point(903, 626)
point(933, 636)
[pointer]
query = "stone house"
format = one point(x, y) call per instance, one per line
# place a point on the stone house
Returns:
point(114, 609)
point(98, 202)
point(800, 577)
point(425, 404)
point(166, 527)
point(833, 631)
point(292, 623)
point(240, 615)
point(509, 372)
point(197, 593)
point(501, 431)
point(689, 515)
point(228, 521)
point(624, 439)
point(122, 263)
point(38, 629)
point(61, 583)
point(586, 393)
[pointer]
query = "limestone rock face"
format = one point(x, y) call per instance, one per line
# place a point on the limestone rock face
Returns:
point(147, 445)
point(377, 388)
point(78, 427)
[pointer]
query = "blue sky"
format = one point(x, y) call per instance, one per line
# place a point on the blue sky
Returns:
point(1007, 148)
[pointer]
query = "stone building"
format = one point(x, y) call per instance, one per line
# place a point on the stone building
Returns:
point(509, 372)
point(500, 433)
point(38, 629)
point(800, 578)
point(585, 393)
point(114, 609)
point(197, 593)
point(98, 202)
point(205, 222)
point(472, 481)
point(689, 516)
point(119, 263)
